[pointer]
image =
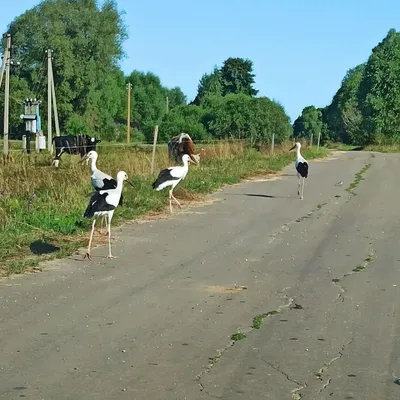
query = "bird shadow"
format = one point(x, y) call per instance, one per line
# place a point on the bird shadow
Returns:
point(39, 247)
point(266, 196)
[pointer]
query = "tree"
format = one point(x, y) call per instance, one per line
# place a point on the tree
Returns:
point(183, 119)
point(87, 45)
point(379, 94)
point(176, 97)
point(237, 77)
point(210, 84)
point(309, 124)
point(148, 102)
point(238, 116)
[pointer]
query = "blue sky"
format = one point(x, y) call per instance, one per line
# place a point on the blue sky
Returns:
point(300, 49)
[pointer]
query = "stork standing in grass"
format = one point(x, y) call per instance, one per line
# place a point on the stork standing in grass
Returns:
point(301, 165)
point(103, 204)
point(171, 177)
point(98, 179)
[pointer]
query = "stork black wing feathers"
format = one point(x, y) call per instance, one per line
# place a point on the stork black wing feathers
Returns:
point(302, 169)
point(163, 176)
point(110, 184)
point(97, 203)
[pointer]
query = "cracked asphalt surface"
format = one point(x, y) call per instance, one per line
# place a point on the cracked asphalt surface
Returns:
point(156, 323)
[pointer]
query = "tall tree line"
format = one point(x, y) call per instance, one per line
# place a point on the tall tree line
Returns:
point(366, 108)
point(87, 40)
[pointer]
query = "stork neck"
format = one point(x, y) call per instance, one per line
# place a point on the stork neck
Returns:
point(120, 184)
point(93, 164)
point(298, 152)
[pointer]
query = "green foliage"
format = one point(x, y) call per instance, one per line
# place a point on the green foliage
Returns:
point(379, 90)
point(183, 119)
point(234, 77)
point(210, 85)
point(86, 38)
point(366, 108)
point(148, 100)
point(87, 44)
point(237, 77)
point(308, 124)
point(238, 116)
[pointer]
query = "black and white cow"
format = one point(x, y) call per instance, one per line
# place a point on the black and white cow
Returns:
point(77, 144)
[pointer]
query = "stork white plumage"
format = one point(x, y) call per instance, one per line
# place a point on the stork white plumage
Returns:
point(103, 204)
point(171, 177)
point(301, 165)
point(98, 179)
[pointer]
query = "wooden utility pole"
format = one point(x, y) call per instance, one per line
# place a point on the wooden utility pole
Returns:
point(128, 120)
point(319, 138)
point(49, 133)
point(7, 66)
point(167, 101)
point(154, 148)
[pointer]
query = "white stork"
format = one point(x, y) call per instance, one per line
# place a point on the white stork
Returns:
point(171, 177)
point(103, 204)
point(98, 179)
point(301, 165)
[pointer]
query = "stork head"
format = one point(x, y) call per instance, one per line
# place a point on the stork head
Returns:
point(297, 145)
point(89, 156)
point(186, 158)
point(122, 176)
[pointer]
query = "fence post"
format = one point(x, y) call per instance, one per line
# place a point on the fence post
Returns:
point(273, 143)
point(311, 140)
point(319, 138)
point(154, 148)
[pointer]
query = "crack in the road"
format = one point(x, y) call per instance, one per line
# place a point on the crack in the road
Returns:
point(286, 227)
point(357, 269)
point(357, 179)
point(294, 392)
point(214, 360)
point(326, 366)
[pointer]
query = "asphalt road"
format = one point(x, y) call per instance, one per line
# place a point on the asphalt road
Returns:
point(156, 323)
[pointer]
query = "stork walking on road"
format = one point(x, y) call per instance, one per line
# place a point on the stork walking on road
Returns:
point(103, 204)
point(100, 180)
point(171, 177)
point(301, 165)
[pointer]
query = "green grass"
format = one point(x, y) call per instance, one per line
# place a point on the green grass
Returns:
point(342, 147)
point(238, 336)
point(258, 320)
point(42, 206)
point(357, 179)
point(359, 268)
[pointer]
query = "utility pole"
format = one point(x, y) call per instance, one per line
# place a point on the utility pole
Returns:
point(53, 92)
point(7, 66)
point(167, 101)
point(49, 133)
point(128, 120)
point(3, 68)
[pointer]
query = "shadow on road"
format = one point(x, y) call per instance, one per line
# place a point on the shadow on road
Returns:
point(39, 247)
point(267, 196)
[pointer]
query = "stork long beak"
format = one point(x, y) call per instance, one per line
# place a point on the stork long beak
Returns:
point(130, 183)
point(193, 162)
point(85, 157)
point(292, 148)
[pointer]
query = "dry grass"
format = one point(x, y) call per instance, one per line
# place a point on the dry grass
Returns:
point(41, 206)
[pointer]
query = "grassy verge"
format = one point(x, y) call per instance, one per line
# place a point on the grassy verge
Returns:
point(41, 206)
